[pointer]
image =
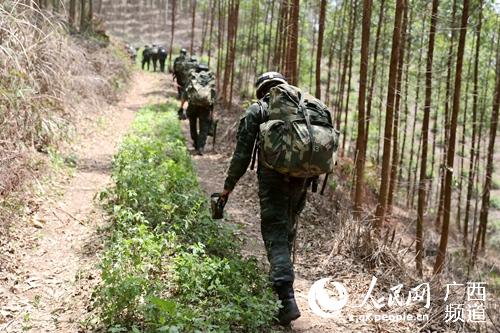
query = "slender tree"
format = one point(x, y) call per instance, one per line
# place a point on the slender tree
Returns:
point(475, 93)
point(293, 42)
point(72, 12)
point(443, 243)
point(397, 106)
point(319, 52)
point(363, 77)
point(391, 93)
point(425, 135)
point(172, 32)
point(374, 69)
point(439, 214)
point(193, 22)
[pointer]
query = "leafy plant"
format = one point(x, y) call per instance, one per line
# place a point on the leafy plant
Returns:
point(168, 267)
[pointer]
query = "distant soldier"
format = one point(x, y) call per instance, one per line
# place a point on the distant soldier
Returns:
point(201, 95)
point(155, 53)
point(183, 79)
point(162, 56)
point(146, 57)
point(178, 65)
point(132, 53)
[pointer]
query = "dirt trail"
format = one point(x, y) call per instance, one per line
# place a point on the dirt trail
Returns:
point(243, 210)
point(51, 289)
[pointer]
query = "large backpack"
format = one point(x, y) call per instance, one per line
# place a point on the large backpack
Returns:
point(201, 89)
point(185, 69)
point(298, 138)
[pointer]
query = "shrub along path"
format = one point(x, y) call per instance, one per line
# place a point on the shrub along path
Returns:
point(51, 289)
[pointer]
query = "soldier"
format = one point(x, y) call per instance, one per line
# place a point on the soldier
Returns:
point(282, 198)
point(162, 57)
point(155, 52)
point(146, 57)
point(178, 66)
point(183, 79)
point(200, 94)
point(133, 53)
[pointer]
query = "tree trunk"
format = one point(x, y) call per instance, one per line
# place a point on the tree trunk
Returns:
point(475, 93)
point(414, 126)
point(443, 243)
point(349, 76)
point(485, 203)
point(236, 11)
point(72, 12)
point(391, 93)
point(374, 70)
point(425, 135)
point(212, 19)
point(90, 16)
point(397, 105)
point(446, 116)
point(360, 141)
point(319, 53)
point(83, 17)
point(193, 22)
point(293, 39)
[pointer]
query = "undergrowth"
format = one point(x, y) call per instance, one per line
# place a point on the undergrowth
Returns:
point(168, 267)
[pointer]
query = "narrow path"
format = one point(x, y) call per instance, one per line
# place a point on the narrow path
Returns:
point(52, 288)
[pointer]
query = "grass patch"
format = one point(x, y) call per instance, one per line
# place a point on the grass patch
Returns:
point(168, 267)
point(495, 202)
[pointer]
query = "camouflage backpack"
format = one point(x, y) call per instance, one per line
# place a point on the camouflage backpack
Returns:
point(298, 138)
point(186, 68)
point(201, 89)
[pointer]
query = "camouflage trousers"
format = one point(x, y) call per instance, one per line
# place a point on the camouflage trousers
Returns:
point(282, 199)
point(199, 115)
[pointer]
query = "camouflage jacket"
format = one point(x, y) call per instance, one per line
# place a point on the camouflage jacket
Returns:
point(248, 131)
point(177, 64)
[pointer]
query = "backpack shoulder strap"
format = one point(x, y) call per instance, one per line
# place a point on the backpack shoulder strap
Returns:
point(264, 116)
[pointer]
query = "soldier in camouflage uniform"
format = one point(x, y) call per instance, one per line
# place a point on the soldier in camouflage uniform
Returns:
point(177, 73)
point(155, 53)
point(199, 115)
point(282, 198)
point(146, 57)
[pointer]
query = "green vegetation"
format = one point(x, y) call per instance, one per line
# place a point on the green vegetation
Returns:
point(495, 202)
point(168, 267)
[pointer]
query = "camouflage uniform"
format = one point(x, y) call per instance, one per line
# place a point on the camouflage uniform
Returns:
point(146, 58)
point(197, 114)
point(282, 198)
point(155, 53)
point(162, 57)
point(178, 76)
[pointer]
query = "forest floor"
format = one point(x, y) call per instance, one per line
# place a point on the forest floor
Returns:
point(50, 288)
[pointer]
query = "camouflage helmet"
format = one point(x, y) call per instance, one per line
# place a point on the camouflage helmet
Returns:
point(266, 81)
point(184, 51)
point(201, 67)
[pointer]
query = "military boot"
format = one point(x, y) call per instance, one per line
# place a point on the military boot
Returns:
point(289, 310)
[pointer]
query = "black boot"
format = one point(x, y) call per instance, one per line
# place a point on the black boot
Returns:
point(289, 310)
